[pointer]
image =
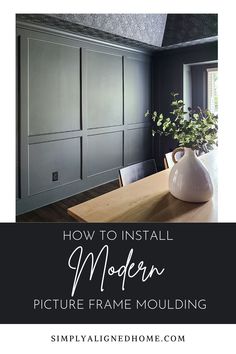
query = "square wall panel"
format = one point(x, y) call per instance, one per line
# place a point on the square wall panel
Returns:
point(54, 87)
point(137, 90)
point(104, 97)
point(139, 145)
point(54, 163)
point(105, 152)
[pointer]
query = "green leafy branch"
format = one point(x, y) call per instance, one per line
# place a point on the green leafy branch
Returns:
point(198, 130)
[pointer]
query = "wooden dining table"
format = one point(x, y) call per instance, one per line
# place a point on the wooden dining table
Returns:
point(149, 200)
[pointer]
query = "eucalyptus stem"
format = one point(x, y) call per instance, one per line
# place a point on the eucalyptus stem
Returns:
point(198, 132)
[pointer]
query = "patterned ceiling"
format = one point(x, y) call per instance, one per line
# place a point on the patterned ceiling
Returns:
point(142, 31)
point(181, 28)
point(146, 28)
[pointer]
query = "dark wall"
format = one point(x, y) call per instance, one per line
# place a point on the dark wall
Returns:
point(168, 77)
point(81, 114)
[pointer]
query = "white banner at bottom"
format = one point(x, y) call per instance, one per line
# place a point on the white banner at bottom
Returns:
point(71, 339)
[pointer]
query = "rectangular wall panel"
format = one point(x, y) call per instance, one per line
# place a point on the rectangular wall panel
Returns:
point(139, 144)
point(62, 157)
point(137, 89)
point(104, 100)
point(105, 152)
point(54, 87)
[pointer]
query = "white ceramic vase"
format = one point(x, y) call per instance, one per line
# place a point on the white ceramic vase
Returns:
point(189, 179)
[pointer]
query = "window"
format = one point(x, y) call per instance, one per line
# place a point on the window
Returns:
point(212, 90)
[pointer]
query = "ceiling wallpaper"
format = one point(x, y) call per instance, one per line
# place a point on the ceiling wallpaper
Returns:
point(147, 28)
point(141, 31)
point(182, 28)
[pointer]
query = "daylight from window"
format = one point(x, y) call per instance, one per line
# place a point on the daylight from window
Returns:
point(212, 90)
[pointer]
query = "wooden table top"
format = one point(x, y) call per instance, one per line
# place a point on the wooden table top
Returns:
point(149, 200)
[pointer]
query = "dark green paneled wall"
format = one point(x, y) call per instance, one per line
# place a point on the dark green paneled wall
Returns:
point(81, 114)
